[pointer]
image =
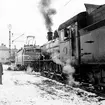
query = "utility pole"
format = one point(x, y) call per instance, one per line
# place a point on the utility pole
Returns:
point(9, 27)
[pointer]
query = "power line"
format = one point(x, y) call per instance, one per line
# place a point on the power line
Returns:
point(17, 37)
point(64, 5)
point(67, 3)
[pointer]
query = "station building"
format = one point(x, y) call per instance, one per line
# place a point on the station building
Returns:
point(4, 53)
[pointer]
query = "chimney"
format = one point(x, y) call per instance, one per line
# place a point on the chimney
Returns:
point(91, 7)
point(49, 36)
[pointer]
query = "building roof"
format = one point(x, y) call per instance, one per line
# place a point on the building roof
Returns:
point(3, 47)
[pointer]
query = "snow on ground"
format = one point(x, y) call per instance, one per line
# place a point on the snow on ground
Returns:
point(20, 88)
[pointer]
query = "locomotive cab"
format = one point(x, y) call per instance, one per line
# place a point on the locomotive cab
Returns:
point(70, 38)
point(68, 43)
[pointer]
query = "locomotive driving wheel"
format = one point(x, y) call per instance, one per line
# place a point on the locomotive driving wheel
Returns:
point(58, 73)
point(44, 69)
point(91, 78)
point(50, 75)
point(54, 70)
point(94, 75)
point(100, 79)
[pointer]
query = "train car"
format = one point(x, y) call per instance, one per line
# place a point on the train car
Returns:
point(26, 56)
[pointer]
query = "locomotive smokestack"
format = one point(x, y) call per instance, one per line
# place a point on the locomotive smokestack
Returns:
point(49, 36)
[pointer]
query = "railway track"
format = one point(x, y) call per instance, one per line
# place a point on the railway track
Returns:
point(97, 89)
point(89, 88)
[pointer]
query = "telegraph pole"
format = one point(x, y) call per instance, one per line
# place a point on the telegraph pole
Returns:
point(9, 27)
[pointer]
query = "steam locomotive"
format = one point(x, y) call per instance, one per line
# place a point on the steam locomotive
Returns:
point(82, 40)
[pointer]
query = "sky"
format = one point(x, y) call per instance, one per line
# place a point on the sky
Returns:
point(25, 18)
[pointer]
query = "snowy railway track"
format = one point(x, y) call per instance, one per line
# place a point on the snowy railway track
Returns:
point(79, 90)
point(99, 91)
point(87, 87)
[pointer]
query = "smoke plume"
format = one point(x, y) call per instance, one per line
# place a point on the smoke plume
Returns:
point(47, 12)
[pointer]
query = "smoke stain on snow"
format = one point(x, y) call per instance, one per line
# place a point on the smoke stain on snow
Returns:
point(50, 90)
point(46, 87)
point(17, 82)
point(52, 87)
point(56, 90)
point(53, 90)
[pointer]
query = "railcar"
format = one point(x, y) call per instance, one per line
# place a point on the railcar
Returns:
point(26, 56)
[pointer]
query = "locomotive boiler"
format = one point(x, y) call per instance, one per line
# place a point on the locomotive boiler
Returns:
point(47, 50)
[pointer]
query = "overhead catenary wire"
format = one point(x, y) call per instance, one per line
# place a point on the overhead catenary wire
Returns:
point(67, 3)
point(17, 38)
point(64, 5)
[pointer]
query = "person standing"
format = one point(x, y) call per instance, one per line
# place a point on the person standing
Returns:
point(1, 73)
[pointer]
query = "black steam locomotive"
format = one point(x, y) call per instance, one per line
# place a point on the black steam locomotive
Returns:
point(81, 39)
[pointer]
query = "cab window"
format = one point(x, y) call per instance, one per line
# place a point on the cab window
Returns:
point(65, 34)
point(62, 34)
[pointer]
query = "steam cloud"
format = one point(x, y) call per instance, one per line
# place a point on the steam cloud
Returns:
point(29, 69)
point(67, 68)
point(47, 12)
